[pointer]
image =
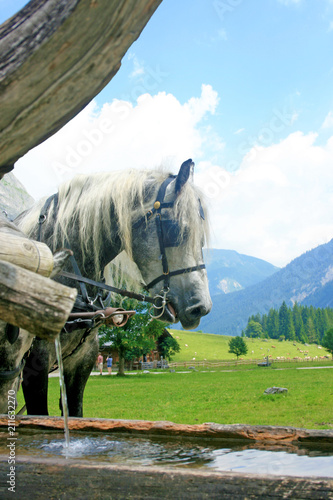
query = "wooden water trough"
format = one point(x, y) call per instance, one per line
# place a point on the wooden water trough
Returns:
point(40, 477)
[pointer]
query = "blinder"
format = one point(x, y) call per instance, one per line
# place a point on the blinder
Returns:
point(171, 233)
point(171, 230)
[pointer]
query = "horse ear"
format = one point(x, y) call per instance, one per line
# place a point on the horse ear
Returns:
point(185, 171)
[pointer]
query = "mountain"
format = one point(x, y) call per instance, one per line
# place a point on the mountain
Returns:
point(229, 271)
point(308, 279)
point(13, 196)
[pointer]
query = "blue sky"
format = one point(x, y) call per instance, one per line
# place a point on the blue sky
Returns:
point(244, 87)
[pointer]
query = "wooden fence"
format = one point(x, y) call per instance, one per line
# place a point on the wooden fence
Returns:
point(229, 363)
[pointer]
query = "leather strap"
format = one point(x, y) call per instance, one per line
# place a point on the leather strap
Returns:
point(176, 273)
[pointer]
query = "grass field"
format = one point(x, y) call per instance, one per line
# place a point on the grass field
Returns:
point(221, 397)
point(215, 347)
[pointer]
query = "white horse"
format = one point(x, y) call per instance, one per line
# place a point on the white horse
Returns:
point(158, 220)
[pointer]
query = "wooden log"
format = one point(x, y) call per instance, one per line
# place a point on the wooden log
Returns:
point(30, 301)
point(17, 248)
point(55, 56)
point(29, 254)
point(56, 477)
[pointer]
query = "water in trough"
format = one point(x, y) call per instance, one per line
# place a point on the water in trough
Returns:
point(171, 451)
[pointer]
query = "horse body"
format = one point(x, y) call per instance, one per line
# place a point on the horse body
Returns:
point(98, 217)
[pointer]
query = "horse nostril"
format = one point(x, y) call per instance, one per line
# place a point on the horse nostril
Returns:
point(196, 312)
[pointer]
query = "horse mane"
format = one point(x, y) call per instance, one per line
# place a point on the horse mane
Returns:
point(88, 199)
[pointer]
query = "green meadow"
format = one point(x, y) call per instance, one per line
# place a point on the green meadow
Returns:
point(225, 396)
point(205, 346)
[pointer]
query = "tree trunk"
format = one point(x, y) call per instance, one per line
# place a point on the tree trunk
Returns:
point(55, 57)
point(121, 369)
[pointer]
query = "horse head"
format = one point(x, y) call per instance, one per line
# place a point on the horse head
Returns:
point(167, 248)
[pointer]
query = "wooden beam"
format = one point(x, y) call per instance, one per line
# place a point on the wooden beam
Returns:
point(58, 477)
point(56, 55)
point(17, 248)
point(29, 254)
point(30, 301)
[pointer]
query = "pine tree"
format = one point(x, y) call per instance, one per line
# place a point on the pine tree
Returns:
point(283, 321)
point(310, 330)
point(290, 326)
point(321, 323)
point(264, 324)
point(273, 324)
point(298, 324)
point(327, 341)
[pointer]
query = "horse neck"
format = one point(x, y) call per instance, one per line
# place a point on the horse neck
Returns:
point(110, 248)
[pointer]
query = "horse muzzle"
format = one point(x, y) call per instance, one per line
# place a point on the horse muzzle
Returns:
point(189, 316)
point(193, 314)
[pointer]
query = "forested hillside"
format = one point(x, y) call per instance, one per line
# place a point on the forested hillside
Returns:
point(302, 323)
point(308, 280)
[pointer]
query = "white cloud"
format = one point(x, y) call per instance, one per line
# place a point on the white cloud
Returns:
point(239, 131)
point(278, 204)
point(221, 35)
point(138, 67)
point(328, 122)
point(199, 106)
point(158, 129)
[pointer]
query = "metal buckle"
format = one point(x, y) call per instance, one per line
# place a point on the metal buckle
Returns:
point(154, 307)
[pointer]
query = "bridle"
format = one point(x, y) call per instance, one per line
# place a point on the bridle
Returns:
point(168, 232)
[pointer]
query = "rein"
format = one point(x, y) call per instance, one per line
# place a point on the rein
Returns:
point(102, 286)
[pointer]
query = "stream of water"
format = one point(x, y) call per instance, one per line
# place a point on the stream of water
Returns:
point(62, 390)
